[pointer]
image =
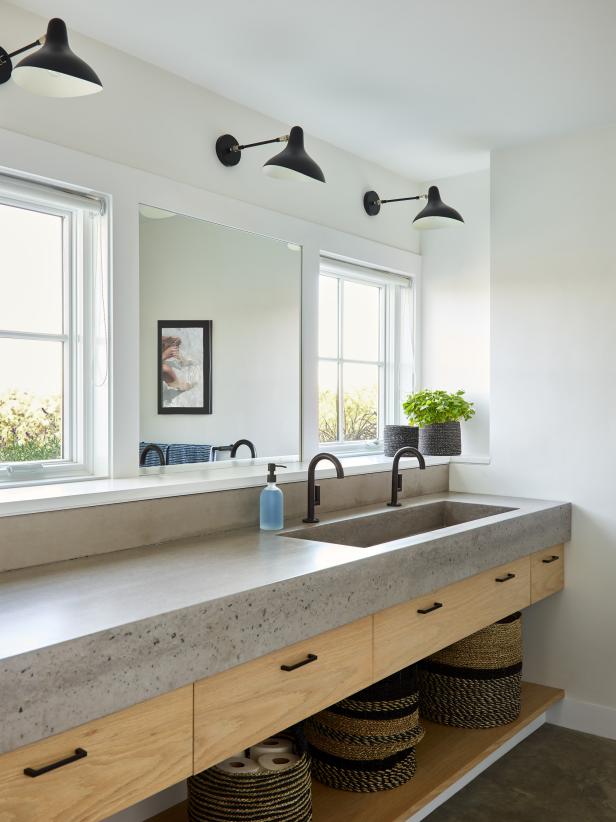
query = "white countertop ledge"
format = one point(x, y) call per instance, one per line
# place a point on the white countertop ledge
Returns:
point(171, 481)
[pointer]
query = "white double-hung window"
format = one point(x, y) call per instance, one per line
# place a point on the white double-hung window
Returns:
point(53, 333)
point(366, 322)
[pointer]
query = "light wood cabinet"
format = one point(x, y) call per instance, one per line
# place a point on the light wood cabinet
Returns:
point(241, 706)
point(413, 630)
point(134, 753)
point(547, 572)
point(131, 755)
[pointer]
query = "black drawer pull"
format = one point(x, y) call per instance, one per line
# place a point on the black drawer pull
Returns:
point(79, 754)
point(553, 558)
point(506, 578)
point(429, 610)
point(310, 658)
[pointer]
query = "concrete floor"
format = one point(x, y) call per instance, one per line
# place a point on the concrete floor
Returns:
point(554, 774)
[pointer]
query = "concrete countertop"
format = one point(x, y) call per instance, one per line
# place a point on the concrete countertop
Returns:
point(80, 639)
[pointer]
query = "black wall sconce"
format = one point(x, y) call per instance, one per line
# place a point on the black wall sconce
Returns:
point(436, 213)
point(292, 161)
point(53, 70)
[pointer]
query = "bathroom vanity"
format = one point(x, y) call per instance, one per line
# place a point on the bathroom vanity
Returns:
point(144, 666)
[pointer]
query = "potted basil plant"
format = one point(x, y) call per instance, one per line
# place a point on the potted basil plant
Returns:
point(438, 415)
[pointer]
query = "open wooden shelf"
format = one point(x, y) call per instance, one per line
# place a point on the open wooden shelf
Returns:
point(443, 756)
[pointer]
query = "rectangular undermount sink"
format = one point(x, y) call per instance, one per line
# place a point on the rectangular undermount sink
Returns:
point(397, 523)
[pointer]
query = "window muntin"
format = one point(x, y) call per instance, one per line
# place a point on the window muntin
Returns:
point(359, 355)
point(50, 396)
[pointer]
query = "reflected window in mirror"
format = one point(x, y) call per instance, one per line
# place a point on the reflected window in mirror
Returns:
point(220, 326)
point(365, 354)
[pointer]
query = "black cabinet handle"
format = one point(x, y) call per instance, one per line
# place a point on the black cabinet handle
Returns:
point(429, 610)
point(553, 558)
point(79, 754)
point(506, 578)
point(310, 658)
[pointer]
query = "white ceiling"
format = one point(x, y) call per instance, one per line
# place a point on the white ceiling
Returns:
point(424, 87)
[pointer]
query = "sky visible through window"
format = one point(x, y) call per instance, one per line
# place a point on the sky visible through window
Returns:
point(31, 368)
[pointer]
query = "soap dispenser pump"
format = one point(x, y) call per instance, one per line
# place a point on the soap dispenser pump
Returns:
point(271, 502)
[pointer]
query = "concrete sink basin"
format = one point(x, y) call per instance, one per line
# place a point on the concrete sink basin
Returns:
point(365, 531)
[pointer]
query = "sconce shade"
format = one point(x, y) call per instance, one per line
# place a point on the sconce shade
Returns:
point(436, 213)
point(54, 70)
point(293, 161)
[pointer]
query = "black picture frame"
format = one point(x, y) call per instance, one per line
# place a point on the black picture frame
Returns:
point(206, 407)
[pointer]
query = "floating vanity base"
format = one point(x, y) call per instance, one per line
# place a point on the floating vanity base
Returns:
point(444, 757)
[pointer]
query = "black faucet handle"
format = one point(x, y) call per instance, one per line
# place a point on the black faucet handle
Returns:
point(399, 482)
point(317, 494)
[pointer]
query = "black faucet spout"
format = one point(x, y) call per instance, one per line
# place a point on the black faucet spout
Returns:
point(238, 443)
point(314, 491)
point(151, 447)
point(396, 477)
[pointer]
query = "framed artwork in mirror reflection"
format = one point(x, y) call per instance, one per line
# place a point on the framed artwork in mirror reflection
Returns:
point(184, 366)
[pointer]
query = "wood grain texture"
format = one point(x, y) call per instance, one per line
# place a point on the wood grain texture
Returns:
point(402, 635)
point(547, 578)
point(444, 755)
point(132, 754)
point(241, 706)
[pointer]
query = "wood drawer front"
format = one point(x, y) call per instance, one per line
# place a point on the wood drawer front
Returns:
point(242, 706)
point(547, 572)
point(130, 755)
point(402, 635)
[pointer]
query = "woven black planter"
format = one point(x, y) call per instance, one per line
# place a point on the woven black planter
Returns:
point(399, 436)
point(443, 439)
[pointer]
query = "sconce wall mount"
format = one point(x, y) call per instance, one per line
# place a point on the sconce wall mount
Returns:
point(292, 161)
point(435, 214)
point(373, 203)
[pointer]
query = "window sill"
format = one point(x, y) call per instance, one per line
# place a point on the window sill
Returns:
point(58, 496)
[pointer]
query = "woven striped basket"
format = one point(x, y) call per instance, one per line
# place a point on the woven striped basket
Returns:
point(280, 796)
point(366, 743)
point(475, 683)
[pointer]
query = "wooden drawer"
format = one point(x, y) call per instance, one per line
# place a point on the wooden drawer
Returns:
point(403, 635)
point(130, 755)
point(547, 572)
point(241, 706)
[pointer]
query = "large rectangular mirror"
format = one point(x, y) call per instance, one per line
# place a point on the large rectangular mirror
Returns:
point(220, 333)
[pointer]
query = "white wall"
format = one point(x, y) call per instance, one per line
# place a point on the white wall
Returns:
point(456, 304)
point(553, 389)
point(153, 120)
point(250, 288)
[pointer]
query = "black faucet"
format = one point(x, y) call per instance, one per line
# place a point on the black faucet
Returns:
point(236, 445)
point(151, 447)
point(314, 491)
point(396, 478)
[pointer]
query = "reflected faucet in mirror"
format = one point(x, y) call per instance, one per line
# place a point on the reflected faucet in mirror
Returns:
point(151, 447)
point(396, 477)
point(238, 443)
point(314, 491)
point(232, 449)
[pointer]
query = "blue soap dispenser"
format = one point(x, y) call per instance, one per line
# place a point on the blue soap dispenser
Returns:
point(271, 502)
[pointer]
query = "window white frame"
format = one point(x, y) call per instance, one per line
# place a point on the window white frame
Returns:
point(85, 441)
point(390, 285)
